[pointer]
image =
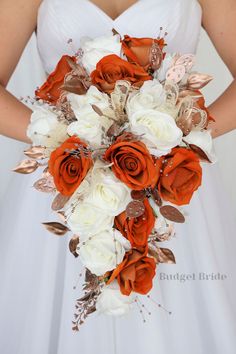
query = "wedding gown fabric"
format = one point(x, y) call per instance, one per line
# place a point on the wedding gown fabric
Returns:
point(37, 272)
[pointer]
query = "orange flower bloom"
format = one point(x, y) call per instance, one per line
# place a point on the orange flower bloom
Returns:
point(112, 68)
point(137, 50)
point(135, 273)
point(136, 230)
point(68, 170)
point(132, 163)
point(50, 90)
point(181, 176)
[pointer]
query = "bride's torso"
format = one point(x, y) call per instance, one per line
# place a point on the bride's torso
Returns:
point(59, 21)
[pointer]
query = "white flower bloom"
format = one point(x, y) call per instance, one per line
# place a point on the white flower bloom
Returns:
point(204, 141)
point(158, 130)
point(95, 49)
point(103, 251)
point(45, 129)
point(92, 96)
point(112, 302)
point(86, 220)
point(89, 127)
point(107, 193)
point(150, 96)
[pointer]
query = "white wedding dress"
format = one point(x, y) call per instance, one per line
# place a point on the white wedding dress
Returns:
point(37, 272)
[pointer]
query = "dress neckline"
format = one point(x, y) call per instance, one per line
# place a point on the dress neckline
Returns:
point(122, 14)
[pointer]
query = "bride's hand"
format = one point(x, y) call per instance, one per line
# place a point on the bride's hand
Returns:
point(219, 19)
point(17, 23)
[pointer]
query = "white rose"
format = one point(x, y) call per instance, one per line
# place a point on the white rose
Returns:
point(107, 193)
point(204, 141)
point(92, 96)
point(157, 129)
point(89, 126)
point(85, 220)
point(112, 302)
point(104, 251)
point(45, 129)
point(150, 96)
point(95, 49)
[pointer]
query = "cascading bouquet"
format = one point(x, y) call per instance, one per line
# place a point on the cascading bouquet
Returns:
point(120, 129)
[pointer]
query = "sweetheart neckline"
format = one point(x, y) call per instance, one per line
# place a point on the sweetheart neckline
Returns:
point(130, 8)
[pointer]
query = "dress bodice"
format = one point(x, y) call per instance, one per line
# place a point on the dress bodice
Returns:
point(59, 21)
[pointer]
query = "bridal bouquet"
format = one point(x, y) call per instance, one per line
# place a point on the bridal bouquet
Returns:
point(120, 130)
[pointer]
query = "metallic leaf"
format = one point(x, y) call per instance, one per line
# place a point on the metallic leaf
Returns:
point(156, 196)
point(197, 81)
point(35, 152)
point(135, 209)
point(59, 201)
point(56, 228)
point(26, 167)
point(165, 256)
point(97, 110)
point(171, 213)
point(73, 245)
point(45, 185)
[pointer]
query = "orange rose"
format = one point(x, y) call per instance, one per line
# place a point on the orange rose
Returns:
point(112, 68)
point(136, 230)
point(50, 90)
point(69, 164)
point(132, 163)
point(181, 176)
point(137, 50)
point(135, 273)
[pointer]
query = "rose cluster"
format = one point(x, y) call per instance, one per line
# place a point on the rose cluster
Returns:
point(122, 128)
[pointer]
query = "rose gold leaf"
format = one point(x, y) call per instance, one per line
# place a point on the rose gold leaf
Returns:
point(198, 81)
point(97, 110)
point(59, 201)
point(56, 228)
point(188, 60)
point(71, 63)
point(73, 245)
point(26, 167)
point(199, 152)
point(91, 310)
point(138, 195)
point(176, 73)
point(155, 56)
point(171, 213)
point(135, 209)
point(35, 152)
point(114, 130)
point(45, 185)
point(165, 256)
point(156, 197)
point(75, 85)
